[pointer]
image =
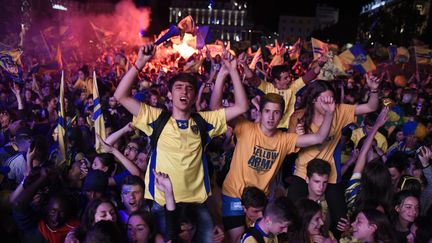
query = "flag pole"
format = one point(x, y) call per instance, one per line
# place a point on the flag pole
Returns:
point(46, 44)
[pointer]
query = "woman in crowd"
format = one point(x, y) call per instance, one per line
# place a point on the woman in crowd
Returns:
point(372, 226)
point(311, 224)
point(406, 210)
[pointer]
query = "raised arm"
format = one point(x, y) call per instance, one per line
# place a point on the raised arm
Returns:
point(163, 184)
point(216, 96)
point(113, 137)
point(241, 102)
point(372, 104)
point(315, 69)
point(131, 167)
point(328, 105)
point(122, 93)
point(361, 160)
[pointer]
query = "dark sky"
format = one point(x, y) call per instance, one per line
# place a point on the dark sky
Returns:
point(267, 12)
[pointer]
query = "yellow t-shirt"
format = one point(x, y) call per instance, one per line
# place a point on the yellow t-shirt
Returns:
point(289, 95)
point(358, 134)
point(248, 238)
point(343, 115)
point(179, 154)
point(256, 158)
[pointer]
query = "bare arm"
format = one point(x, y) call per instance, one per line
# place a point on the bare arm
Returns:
point(361, 161)
point(17, 92)
point(122, 93)
point(113, 137)
point(216, 96)
point(199, 97)
point(241, 102)
point(372, 104)
point(314, 69)
point(131, 167)
point(319, 137)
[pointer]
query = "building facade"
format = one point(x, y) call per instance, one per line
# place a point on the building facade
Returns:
point(227, 21)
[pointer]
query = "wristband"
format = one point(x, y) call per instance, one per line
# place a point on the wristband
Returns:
point(138, 70)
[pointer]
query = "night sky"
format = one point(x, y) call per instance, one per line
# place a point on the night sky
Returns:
point(266, 12)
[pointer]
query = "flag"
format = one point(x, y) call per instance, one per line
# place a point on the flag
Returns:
point(57, 34)
point(193, 66)
point(423, 55)
point(52, 66)
point(101, 34)
point(10, 62)
point(201, 36)
point(100, 31)
point(98, 119)
point(61, 124)
point(402, 54)
point(294, 51)
point(58, 57)
point(357, 57)
point(319, 48)
point(187, 24)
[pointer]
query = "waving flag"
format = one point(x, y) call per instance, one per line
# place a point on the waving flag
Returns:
point(319, 48)
point(10, 62)
point(423, 55)
point(201, 36)
point(61, 124)
point(357, 57)
point(58, 57)
point(98, 116)
point(398, 54)
point(402, 54)
point(187, 24)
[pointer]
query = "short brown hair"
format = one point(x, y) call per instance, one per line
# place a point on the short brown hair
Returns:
point(183, 77)
point(272, 98)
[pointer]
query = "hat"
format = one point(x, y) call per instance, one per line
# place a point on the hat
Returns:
point(95, 181)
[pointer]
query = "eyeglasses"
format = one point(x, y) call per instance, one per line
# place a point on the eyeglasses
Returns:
point(131, 148)
point(406, 178)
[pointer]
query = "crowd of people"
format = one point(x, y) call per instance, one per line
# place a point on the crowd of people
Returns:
point(213, 149)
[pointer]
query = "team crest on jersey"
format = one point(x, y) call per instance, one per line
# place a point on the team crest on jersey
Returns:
point(360, 59)
point(262, 159)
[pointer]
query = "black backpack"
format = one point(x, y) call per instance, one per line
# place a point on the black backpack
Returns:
point(255, 234)
point(162, 120)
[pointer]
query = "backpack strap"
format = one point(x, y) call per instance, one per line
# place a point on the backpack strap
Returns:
point(161, 121)
point(254, 232)
point(202, 126)
point(158, 126)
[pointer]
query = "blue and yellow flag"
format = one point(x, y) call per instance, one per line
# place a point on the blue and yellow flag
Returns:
point(357, 57)
point(61, 124)
point(423, 55)
point(319, 48)
point(10, 61)
point(98, 119)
